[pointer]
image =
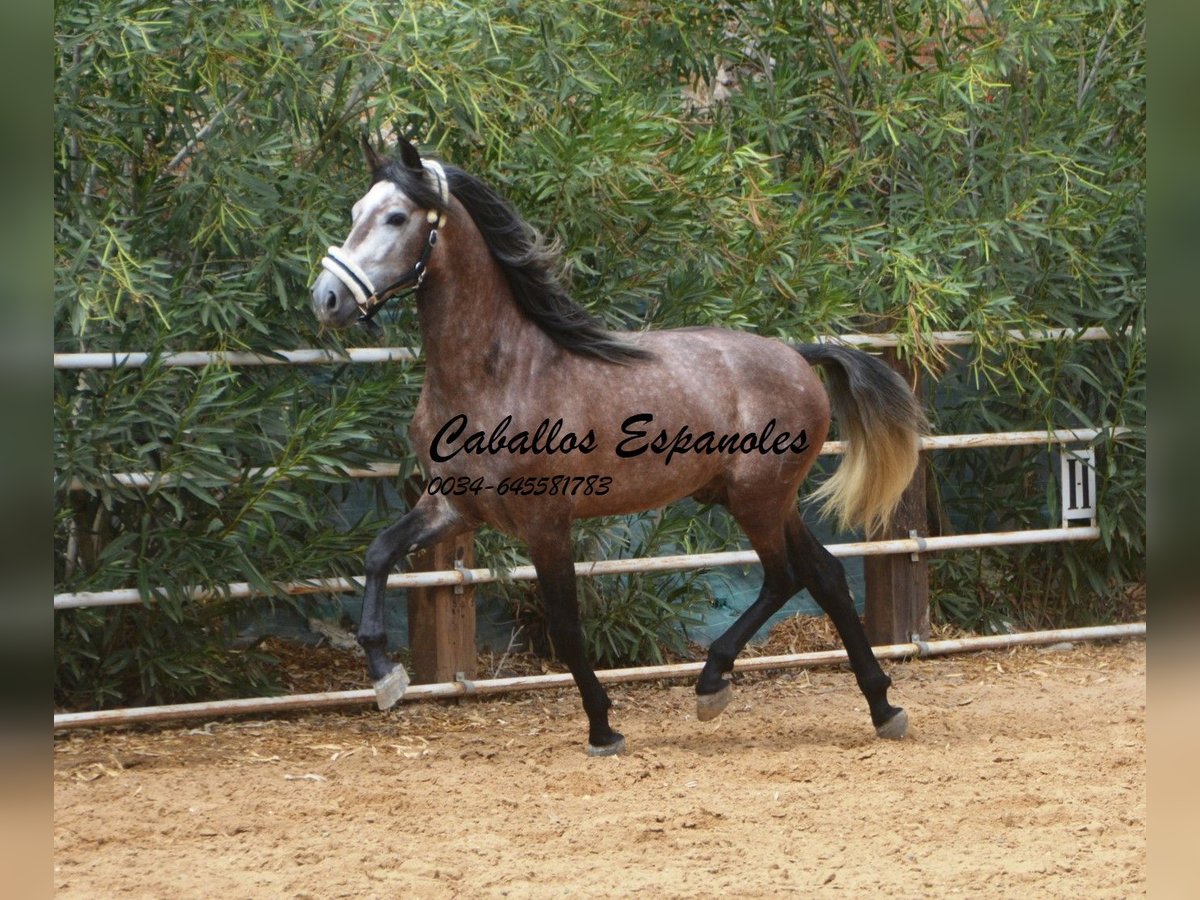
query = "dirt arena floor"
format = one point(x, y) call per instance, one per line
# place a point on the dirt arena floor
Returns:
point(1023, 775)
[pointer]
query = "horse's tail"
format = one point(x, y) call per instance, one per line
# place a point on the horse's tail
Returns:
point(881, 423)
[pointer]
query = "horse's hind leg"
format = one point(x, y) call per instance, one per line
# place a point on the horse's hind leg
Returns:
point(780, 581)
point(553, 559)
point(430, 521)
point(825, 579)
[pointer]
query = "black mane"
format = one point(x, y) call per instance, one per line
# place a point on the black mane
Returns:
point(527, 260)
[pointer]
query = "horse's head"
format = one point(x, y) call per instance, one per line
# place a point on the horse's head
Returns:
point(393, 231)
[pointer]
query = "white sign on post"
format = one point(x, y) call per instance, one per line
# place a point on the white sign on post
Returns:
point(1078, 487)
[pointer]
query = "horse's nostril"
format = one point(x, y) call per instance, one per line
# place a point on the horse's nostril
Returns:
point(331, 301)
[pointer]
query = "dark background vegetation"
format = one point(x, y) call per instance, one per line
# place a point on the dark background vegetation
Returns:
point(791, 168)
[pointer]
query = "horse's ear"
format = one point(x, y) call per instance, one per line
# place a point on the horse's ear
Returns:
point(409, 155)
point(374, 161)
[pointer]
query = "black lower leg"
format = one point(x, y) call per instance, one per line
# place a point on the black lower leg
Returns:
point(826, 581)
point(568, 644)
point(422, 526)
point(724, 650)
point(556, 578)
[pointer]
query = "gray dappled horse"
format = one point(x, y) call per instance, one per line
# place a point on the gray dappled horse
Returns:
point(532, 415)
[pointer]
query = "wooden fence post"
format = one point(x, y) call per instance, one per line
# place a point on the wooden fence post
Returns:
point(897, 586)
point(441, 620)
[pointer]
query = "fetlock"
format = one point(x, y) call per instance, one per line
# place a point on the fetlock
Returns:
point(378, 664)
point(711, 680)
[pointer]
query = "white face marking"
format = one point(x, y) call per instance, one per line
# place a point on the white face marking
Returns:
point(373, 244)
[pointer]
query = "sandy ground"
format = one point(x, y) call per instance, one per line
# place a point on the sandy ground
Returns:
point(1023, 776)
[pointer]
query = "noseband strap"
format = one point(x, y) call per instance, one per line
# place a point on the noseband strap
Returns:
point(349, 274)
point(369, 299)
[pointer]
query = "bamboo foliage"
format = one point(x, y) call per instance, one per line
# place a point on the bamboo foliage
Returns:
point(788, 167)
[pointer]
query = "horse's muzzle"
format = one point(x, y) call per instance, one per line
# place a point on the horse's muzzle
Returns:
point(332, 303)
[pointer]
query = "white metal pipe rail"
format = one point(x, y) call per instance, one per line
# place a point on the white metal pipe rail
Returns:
point(829, 448)
point(199, 358)
point(130, 596)
point(454, 689)
point(306, 357)
point(450, 577)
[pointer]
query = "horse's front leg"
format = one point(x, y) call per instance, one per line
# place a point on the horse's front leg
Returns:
point(430, 521)
point(553, 560)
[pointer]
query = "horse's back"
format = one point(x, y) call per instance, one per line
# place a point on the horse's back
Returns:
point(744, 379)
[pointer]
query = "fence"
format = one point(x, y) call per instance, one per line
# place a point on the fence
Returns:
point(897, 586)
point(467, 688)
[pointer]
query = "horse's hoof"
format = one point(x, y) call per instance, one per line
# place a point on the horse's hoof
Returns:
point(895, 728)
point(617, 746)
point(709, 706)
point(391, 687)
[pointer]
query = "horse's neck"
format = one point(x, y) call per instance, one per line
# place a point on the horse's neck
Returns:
point(473, 334)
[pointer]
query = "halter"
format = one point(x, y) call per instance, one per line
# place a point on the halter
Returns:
point(369, 299)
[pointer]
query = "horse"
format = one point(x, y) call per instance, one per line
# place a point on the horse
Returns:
point(532, 414)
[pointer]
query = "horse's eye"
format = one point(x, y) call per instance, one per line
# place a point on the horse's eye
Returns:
point(397, 218)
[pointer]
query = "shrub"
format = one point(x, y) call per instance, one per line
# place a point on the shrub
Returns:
point(793, 168)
